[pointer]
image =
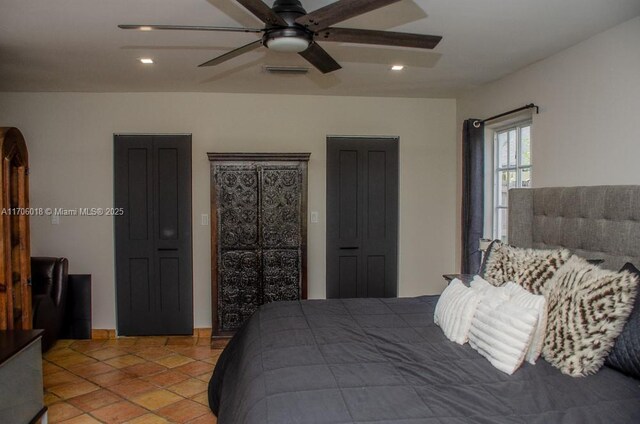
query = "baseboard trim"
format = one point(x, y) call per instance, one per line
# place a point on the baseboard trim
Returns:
point(103, 334)
point(110, 333)
point(203, 333)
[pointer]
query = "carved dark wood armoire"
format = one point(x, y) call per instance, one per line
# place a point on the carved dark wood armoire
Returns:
point(258, 233)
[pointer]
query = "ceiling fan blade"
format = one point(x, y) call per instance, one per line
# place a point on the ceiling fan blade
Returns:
point(340, 11)
point(263, 12)
point(233, 53)
point(319, 58)
point(187, 28)
point(384, 38)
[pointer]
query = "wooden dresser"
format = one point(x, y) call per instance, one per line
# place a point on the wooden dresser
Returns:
point(258, 233)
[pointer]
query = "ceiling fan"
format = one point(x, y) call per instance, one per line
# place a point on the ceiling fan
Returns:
point(289, 28)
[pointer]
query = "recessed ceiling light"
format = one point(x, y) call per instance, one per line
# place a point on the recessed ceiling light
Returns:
point(397, 67)
point(146, 60)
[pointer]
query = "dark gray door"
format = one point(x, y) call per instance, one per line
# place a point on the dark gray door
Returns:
point(152, 185)
point(362, 217)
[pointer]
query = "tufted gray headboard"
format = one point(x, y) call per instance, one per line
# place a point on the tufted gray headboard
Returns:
point(599, 222)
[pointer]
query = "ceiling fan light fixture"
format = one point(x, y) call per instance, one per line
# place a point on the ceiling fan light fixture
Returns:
point(146, 60)
point(288, 44)
point(397, 67)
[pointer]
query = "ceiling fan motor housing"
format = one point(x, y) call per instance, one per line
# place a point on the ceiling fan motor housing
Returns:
point(293, 7)
point(292, 38)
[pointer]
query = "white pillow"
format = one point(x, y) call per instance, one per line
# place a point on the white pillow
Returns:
point(480, 283)
point(519, 295)
point(501, 331)
point(489, 290)
point(455, 310)
point(522, 297)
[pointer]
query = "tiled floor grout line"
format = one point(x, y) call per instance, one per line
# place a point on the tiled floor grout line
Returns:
point(188, 387)
point(86, 353)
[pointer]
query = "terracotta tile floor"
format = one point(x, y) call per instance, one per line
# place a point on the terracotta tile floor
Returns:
point(135, 380)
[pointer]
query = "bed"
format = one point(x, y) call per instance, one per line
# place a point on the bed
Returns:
point(384, 361)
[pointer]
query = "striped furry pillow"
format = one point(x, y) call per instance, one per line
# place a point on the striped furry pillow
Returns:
point(587, 309)
point(530, 268)
point(499, 264)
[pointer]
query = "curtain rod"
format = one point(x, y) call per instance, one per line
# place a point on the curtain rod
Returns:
point(529, 106)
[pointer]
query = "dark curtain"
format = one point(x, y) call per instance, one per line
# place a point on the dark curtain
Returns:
point(472, 195)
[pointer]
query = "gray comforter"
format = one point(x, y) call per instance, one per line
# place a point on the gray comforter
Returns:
point(384, 361)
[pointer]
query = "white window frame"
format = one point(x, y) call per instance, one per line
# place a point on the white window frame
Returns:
point(517, 126)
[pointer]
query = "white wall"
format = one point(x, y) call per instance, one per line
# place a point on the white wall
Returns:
point(589, 98)
point(70, 138)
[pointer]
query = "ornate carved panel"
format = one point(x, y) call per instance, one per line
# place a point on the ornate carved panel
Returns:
point(281, 197)
point(258, 248)
point(237, 206)
point(281, 275)
point(239, 288)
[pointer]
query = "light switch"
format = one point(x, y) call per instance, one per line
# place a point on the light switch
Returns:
point(55, 219)
point(204, 219)
point(314, 217)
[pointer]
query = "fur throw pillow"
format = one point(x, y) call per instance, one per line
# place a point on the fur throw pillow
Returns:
point(625, 355)
point(588, 308)
point(530, 268)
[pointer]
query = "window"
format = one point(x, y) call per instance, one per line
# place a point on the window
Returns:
point(512, 169)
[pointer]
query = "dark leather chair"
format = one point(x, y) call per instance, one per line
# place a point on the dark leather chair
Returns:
point(49, 279)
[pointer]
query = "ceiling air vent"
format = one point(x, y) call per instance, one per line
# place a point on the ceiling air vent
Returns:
point(286, 70)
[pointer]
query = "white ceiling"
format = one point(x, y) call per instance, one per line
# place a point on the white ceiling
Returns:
point(74, 45)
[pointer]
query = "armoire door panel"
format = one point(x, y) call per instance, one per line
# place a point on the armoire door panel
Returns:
point(237, 206)
point(281, 275)
point(239, 288)
point(280, 194)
